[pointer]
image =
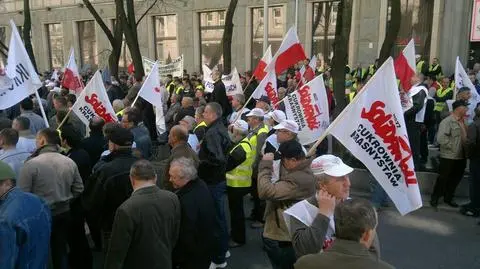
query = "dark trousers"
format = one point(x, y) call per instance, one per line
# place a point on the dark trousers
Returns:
point(424, 133)
point(450, 175)
point(59, 240)
point(413, 131)
point(258, 209)
point(237, 214)
point(281, 254)
point(475, 183)
point(218, 194)
point(80, 255)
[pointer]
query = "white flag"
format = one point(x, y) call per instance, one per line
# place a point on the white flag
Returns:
point(373, 129)
point(93, 101)
point(462, 80)
point(267, 87)
point(19, 80)
point(207, 78)
point(308, 107)
point(232, 83)
point(151, 89)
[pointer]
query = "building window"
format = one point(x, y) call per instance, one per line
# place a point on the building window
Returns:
point(323, 29)
point(166, 45)
point(211, 32)
point(54, 32)
point(88, 44)
point(417, 19)
point(276, 30)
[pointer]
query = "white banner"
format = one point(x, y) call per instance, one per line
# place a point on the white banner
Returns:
point(267, 87)
point(207, 78)
point(373, 129)
point(93, 101)
point(462, 80)
point(232, 83)
point(308, 107)
point(175, 68)
point(19, 79)
point(475, 27)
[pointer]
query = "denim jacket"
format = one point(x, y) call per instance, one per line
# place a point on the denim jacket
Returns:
point(25, 224)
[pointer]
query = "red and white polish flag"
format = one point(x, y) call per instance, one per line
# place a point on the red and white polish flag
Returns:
point(289, 53)
point(405, 65)
point(71, 77)
point(259, 72)
point(373, 129)
point(307, 72)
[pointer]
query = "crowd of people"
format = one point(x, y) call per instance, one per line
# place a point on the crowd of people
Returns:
point(65, 193)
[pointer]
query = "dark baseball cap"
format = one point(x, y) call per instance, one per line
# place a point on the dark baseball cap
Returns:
point(121, 136)
point(291, 149)
point(463, 89)
point(264, 99)
point(459, 103)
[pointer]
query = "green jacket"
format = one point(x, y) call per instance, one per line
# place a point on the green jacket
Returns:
point(451, 138)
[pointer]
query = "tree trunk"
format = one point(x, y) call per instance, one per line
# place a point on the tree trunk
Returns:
point(3, 49)
point(130, 29)
point(392, 31)
point(340, 53)
point(326, 28)
point(227, 37)
point(27, 27)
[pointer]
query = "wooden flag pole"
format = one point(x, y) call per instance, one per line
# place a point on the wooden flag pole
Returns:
point(64, 119)
point(39, 100)
point(248, 100)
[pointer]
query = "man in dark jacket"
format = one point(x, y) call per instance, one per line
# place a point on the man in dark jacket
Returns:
point(141, 136)
point(146, 226)
point(219, 95)
point(95, 144)
point(109, 186)
point(194, 249)
point(248, 91)
point(355, 225)
point(212, 169)
point(186, 110)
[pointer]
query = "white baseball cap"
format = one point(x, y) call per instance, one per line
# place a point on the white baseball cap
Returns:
point(330, 165)
point(241, 125)
point(289, 125)
point(278, 115)
point(256, 112)
point(418, 56)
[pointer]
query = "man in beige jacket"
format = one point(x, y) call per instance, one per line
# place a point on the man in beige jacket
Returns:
point(296, 182)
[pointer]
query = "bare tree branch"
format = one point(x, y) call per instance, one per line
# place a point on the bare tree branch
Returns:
point(100, 21)
point(146, 11)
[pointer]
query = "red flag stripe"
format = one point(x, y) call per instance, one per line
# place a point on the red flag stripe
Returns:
point(403, 71)
point(259, 73)
point(289, 57)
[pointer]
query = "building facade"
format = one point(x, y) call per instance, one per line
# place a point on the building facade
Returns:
point(194, 28)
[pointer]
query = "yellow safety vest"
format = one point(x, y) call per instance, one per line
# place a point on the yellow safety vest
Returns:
point(120, 113)
point(203, 123)
point(420, 66)
point(440, 106)
point(179, 89)
point(435, 68)
point(199, 87)
point(351, 96)
point(241, 176)
point(372, 69)
point(253, 139)
point(170, 84)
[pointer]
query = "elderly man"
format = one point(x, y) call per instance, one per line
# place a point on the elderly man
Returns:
point(56, 179)
point(313, 230)
point(212, 169)
point(25, 225)
point(355, 231)
point(141, 136)
point(186, 110)
point(238, 101)
point(239, 181)
point(194, 248)
point(188, 122)
point(26, 140)
point(146, 226)
point(9, 153)
point(256, 138)
point(296, 182)
point(452, 137)
point(175, 107)
point(263, 103)
point(219, 95)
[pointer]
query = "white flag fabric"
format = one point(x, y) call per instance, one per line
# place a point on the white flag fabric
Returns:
point(93, 101)
point(267, 87)
point(71, 77)
point(19, 79)
point(373, 129)
point(232, 83)
point(207, 78)
point(308, 107)
point(151, 89)
point(462, 80)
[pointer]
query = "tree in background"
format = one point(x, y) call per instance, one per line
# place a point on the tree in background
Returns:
point(27, 29)
point(392, 31)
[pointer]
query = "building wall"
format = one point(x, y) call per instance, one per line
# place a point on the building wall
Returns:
point(450, 30)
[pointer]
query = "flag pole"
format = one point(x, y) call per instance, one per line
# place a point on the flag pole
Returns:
point(136, 98)
point(244, 105)
point(64, 119)
point(39, 100)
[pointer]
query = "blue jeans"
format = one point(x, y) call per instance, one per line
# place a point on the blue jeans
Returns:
point(280, 254)
point(218, 192)
point(379, 196)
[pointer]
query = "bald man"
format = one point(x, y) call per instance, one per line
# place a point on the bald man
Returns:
point(177, 139)
point(187, 110)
